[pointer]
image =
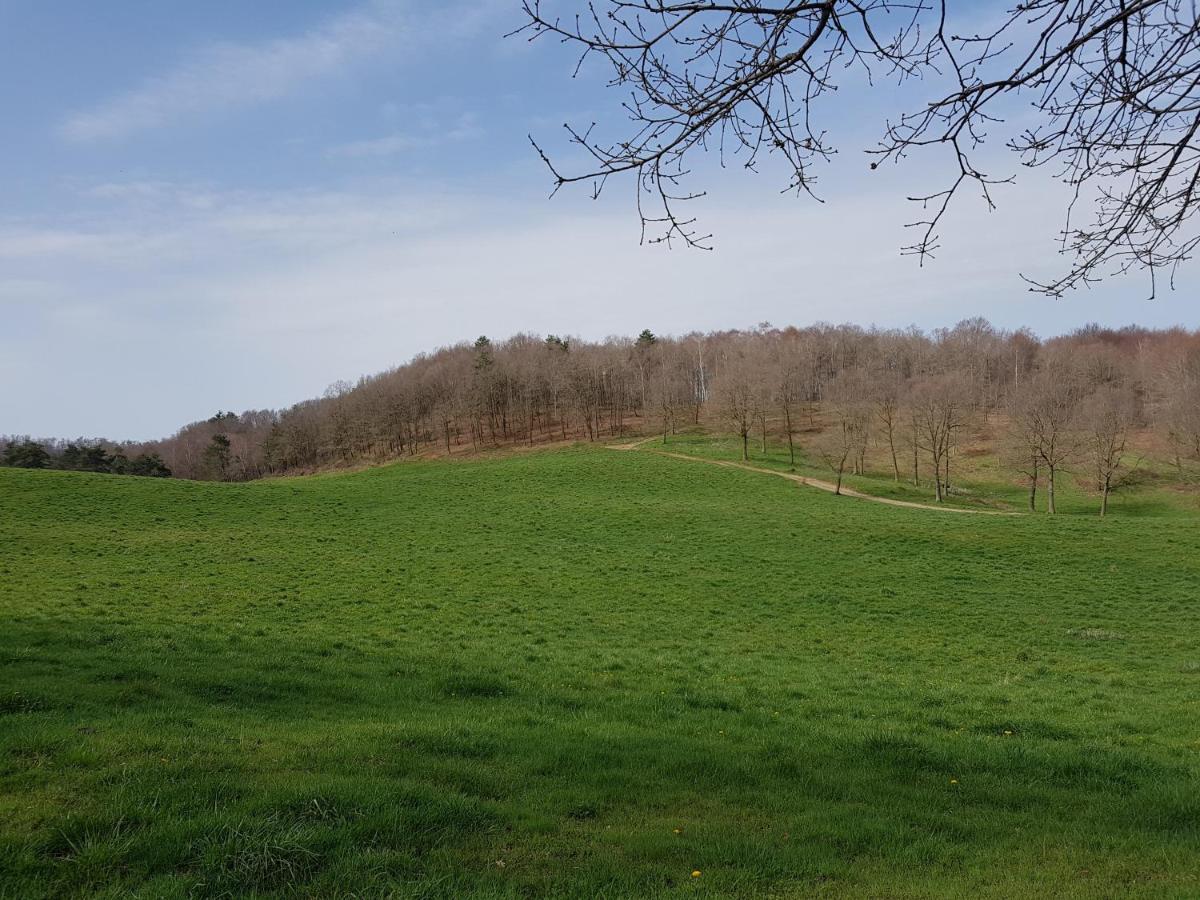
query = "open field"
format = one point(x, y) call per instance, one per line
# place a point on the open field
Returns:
point(589, 673)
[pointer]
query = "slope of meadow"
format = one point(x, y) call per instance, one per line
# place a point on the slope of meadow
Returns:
point(982, 480)
point(587, 673)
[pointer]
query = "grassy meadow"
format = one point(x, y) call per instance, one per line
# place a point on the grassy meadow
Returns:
point(589, 673)
point(982, 481)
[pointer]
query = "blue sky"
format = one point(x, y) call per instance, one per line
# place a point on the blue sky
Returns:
point(232, 205)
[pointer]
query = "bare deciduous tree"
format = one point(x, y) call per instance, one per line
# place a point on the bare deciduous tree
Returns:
point(849, 408)
point(1105, 419)
point(786, 378)
point(938, 407)
point(1112, 85)
point(1179, 419)
point(885, 395)
point(1043, 412)
point(738, 388)
point(1019, 452)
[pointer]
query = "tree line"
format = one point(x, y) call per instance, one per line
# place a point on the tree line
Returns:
point(84, 456)
point(833, 392)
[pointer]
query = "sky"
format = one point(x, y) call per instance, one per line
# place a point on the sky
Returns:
point(227, 205)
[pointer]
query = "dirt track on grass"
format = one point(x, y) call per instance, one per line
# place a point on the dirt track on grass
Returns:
point(817, 483)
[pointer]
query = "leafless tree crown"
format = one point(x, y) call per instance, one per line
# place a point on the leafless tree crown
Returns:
point(1113, 86)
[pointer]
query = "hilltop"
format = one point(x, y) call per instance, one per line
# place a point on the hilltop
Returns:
point(1107, 406)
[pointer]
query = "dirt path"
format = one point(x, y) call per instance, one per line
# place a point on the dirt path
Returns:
point(809, 482)
point(636, 444)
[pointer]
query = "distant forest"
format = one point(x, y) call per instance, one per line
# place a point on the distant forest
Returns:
point(80, 456)
point(907, 391)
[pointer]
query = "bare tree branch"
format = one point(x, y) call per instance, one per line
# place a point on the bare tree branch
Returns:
point(1114, 86)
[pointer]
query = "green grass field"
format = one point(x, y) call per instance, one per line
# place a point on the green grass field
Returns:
point(587, 673)
point(981, 482)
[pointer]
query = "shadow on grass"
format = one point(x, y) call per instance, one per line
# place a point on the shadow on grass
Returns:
point(265, 778)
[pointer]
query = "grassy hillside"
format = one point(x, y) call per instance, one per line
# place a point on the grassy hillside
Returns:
point(981, 479)
point(587, 673)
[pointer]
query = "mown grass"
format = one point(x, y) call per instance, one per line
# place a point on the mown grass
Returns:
point(587, 673)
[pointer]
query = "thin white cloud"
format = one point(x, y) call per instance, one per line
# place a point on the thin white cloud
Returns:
point(22, 290)
point(34, 242)
point(153, 193)
point(159, 224)
point(232, 76)
point(465, 129)
point(384, 146)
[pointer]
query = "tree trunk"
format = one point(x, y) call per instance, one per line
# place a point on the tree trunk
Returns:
point(1050, 491)
point(745, 444)
point(1104, 492)
point(916, 460)
point(1033, 484)
point(892, 447)
point(787, 416)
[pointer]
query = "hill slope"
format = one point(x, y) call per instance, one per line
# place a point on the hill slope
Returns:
point(587, 673)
